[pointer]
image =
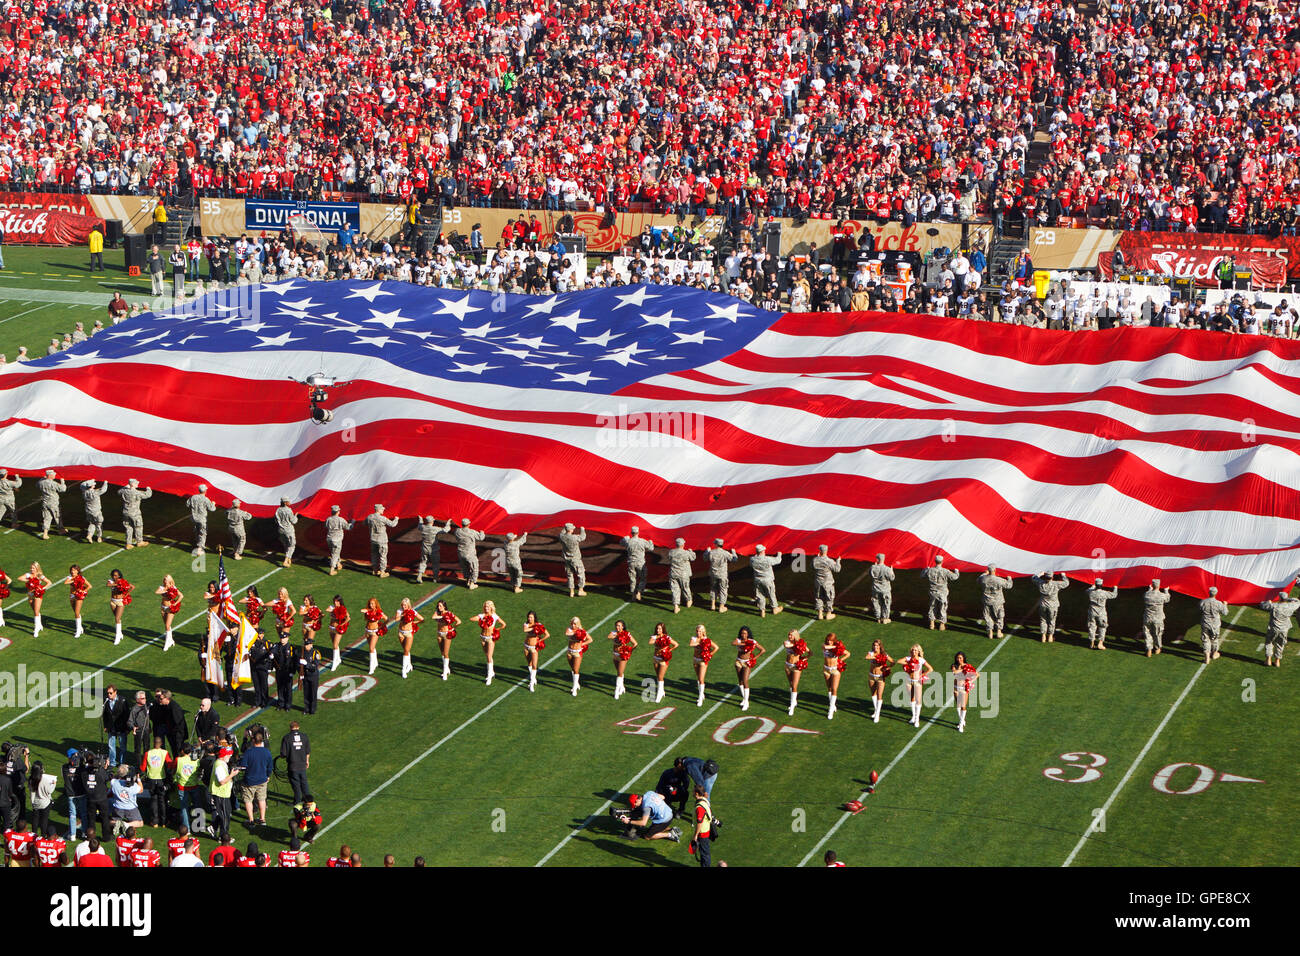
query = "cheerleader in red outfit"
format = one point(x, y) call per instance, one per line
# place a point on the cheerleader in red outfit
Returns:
point(579, 641)
point(624, 645)
point(119, 596)
point(836, 658)
point(36, 583)
point(211, 597)
point(664, 647)
point(963, 678)
point(408, 621)
point(705, 648)
point(339, 621)
point(254, 606)
point(447, 624)
point(285, 611)
point(311, 619)
point(917, 669)
point(171, 606)
point(376, 627)
point(796, 662)
point(879, 664)
point(5, 582)
point(535, 635)
point(748, 651)
point(490, 627)
point(78, 588)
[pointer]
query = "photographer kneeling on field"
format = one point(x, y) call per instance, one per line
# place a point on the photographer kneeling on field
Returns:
point(126, 792)
point(655, 820)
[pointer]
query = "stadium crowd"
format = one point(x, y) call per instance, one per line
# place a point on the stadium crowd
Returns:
point(1159, 112)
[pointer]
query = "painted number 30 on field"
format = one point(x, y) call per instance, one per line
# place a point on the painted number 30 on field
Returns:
point(1177, 779)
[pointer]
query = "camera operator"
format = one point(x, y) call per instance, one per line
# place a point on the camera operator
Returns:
point(8, 810)
point(74, 788)
point(96, 779)
point(256, 764)
point(296, 750)
point(126, 794)
point(17, 761)
point(157, 768)
point(188, 780)
point(673, 786)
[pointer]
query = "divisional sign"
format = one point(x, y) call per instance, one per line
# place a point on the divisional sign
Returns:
point(327, 216)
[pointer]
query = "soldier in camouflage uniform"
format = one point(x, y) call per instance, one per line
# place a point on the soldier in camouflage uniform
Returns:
point(429, 532)
point(285, 519)
point(637, 549)
point(719, 577)
point(235, 518)
point(882, 589)
point(378, 526)
point(335, 527)
point(90, 495)
point(574, 569)
point(1280, 613)
point(515, 559)
point(467, 540)
point(824, 570)
point(938, 578)
point(7, 488)
point(132, 518)
point(1098, 620)
point(200, 506)
point(1212, 611)
point(679, 574)
point(993, 587)
point(1153, 616)
point(1049, 603)
point(763, 568)
point(50, 488)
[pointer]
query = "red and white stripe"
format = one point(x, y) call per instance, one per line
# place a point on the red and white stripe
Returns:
point(1122, 455)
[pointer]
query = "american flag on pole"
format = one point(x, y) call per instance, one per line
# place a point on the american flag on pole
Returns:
point(227, 600)
point(1122, 454)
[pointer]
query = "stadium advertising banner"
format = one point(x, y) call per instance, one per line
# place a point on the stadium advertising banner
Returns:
point(263, 215)
point(1190, 255)
point(52, 219)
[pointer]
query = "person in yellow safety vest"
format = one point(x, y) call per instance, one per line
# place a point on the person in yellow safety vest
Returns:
point(223, 777)
point(412, 220)
point(156, 765)
point(95, 243)
point(702, 843)
point(159, 219)
point(187, 780)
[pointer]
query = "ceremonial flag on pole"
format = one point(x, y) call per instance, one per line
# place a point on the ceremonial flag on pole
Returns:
point(246, 635)
point(227, 601)
point(1122, 454)
point(218, 632)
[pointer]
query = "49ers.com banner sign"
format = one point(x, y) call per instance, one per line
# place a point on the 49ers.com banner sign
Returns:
point(50, 219)
point(1190, 255)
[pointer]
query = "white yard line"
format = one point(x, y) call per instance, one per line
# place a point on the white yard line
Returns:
point(930, 722)
point(397, 776)
point(131, 653)
point(663, 754)
point(19, 315)
point(1105, 807)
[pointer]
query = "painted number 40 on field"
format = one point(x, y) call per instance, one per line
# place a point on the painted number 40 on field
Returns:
point(734, 733)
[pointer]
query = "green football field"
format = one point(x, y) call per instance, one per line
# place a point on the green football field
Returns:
point(1070, 755)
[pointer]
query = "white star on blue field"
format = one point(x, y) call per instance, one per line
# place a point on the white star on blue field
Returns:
point(598, 340)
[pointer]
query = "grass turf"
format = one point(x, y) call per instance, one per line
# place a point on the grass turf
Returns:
point(467, 774)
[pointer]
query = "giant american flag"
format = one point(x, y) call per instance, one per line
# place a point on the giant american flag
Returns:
point(1123, 454)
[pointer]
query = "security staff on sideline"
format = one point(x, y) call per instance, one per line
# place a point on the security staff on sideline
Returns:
point(296, 750)
point(309, 665)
